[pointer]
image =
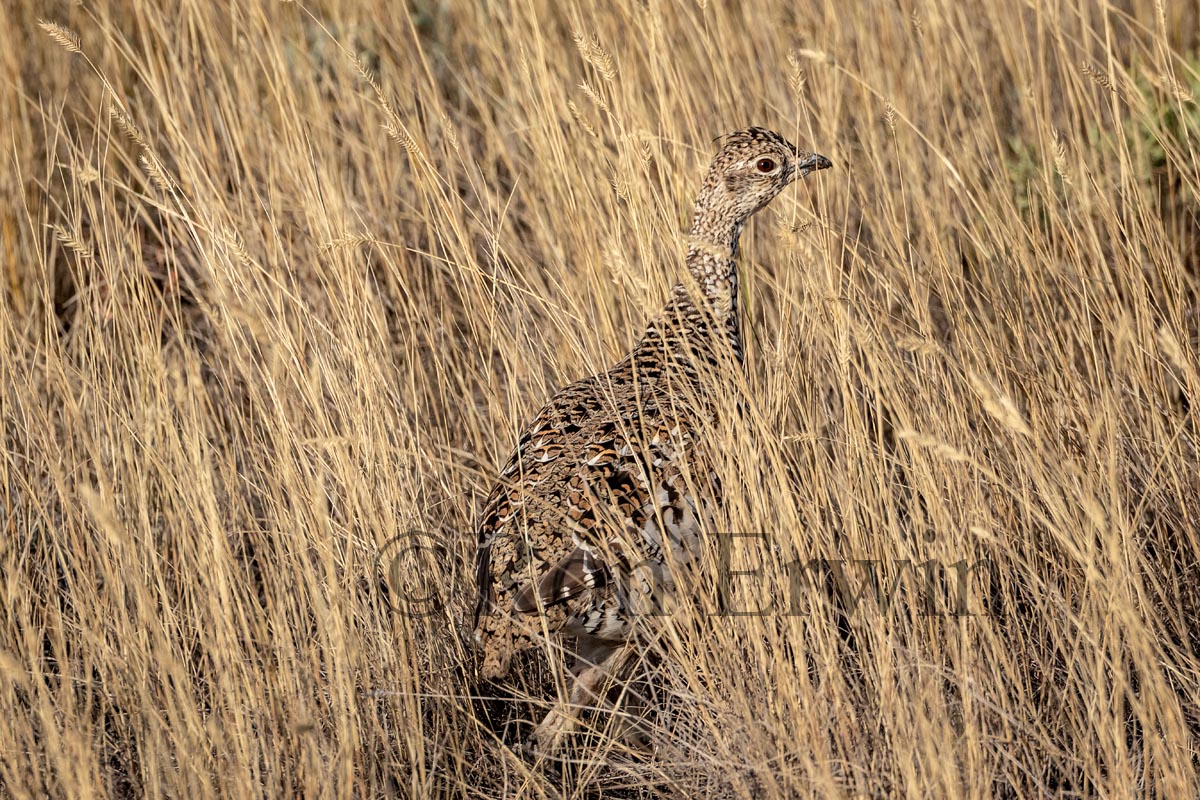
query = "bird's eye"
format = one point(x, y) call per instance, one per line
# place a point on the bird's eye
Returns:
point(765, 164)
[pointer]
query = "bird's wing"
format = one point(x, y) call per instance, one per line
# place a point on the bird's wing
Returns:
point(577, 572)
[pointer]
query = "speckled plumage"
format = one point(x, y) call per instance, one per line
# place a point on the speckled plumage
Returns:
point(606, 475)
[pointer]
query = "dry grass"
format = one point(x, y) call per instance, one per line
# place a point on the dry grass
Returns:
point(281, 283)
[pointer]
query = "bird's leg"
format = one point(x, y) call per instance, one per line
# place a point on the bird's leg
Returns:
point(564, 718)
point(592, 667)
point(633, 705)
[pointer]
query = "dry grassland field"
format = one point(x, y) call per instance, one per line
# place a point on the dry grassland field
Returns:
point(283, 283)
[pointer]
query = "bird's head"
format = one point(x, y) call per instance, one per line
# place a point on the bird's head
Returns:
point(751, 168)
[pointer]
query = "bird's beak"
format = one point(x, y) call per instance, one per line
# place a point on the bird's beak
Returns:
point(813, 163)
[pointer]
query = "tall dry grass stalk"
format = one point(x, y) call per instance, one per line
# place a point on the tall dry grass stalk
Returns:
point(281, 281)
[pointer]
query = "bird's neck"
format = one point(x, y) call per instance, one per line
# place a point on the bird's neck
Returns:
point(711, 260)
